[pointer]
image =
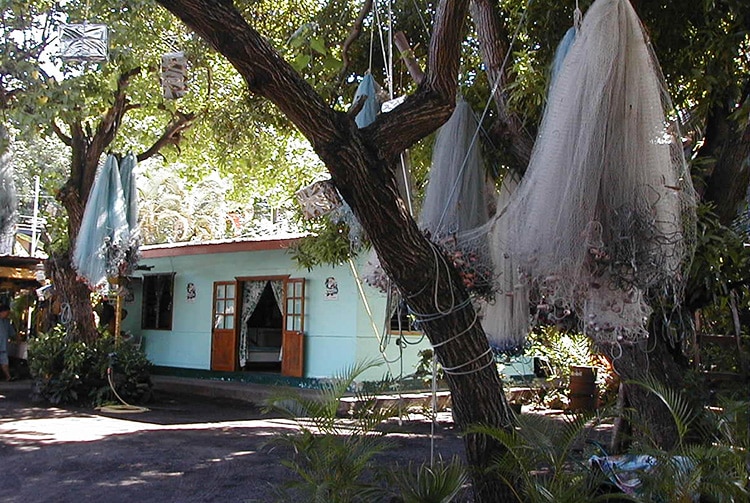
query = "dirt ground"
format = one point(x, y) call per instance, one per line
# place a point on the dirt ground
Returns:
point(183, 449)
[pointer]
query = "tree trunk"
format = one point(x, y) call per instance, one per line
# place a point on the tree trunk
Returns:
point(729, 150)
point(494, 42)
point(362, 165)
point(74, 295)
point(635, 363)
point(77, 314)
point(433, 289)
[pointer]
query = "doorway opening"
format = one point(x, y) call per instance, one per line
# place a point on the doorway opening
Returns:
point(262, 326)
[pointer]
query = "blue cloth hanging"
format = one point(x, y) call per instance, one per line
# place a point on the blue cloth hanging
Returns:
point(102, 240)
point(370, 110)
point(129, 191)
point(561, 52)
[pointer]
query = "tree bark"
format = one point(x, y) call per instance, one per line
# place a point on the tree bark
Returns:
point(494, 43)
point(635, 363)
point(77, 314)
point(728, 147)
point(362, 165)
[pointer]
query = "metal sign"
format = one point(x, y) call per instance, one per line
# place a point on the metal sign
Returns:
point(84, 42)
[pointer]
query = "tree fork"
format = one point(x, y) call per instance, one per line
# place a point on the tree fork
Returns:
point(361, 163)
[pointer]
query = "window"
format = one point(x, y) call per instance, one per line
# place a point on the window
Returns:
point(402, 321)
point(158, 296)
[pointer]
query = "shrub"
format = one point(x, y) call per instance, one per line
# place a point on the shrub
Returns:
point(75, 372)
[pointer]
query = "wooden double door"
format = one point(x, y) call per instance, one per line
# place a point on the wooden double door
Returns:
point(225, 334)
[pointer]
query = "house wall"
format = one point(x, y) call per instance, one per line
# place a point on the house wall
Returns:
point(338, 332)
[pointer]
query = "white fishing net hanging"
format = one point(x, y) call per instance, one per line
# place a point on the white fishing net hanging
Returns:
point(457, 199)
point(8, 198)
point(606, 208)
point(505, 315)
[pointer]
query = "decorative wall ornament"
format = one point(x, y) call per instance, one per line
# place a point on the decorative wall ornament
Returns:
point(190, 292)
point(84, 42)
point(332, 288)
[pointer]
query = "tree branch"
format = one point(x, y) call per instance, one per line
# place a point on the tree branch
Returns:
point(352, 37)
point(399, 39)
point(444, 53)
point(269, 75)
point(171, 136)
point(494, 44)
point(67, 140)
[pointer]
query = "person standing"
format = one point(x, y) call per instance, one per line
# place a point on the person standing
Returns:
point(6, 332)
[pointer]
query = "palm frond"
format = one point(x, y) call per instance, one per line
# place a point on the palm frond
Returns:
point(679, 407)
point(440, 483)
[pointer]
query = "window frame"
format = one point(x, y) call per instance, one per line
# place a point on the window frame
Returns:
point(146, 310)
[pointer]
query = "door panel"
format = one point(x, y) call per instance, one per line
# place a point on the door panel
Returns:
point(293, 343)
point(223, 333)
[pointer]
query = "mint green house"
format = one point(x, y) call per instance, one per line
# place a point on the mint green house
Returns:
point(245, 305)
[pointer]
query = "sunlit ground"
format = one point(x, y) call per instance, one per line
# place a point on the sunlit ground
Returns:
point(31, 433)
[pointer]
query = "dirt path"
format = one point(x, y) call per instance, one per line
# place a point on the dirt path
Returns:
point(184, 449)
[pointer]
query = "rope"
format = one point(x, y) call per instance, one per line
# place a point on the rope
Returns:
point(450, 370)
point(434, 408)
point(381, 343)
point(372, 42)
point(443, 343)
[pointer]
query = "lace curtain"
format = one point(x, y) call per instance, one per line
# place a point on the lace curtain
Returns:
point(251, 293)
point(278, 293)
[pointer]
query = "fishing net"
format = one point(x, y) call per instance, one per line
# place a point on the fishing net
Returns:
point(457, 200)
point(8, 203)
point(505, 315)
point(606, 210)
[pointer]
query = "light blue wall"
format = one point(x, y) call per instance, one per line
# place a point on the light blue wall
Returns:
point(338, 332)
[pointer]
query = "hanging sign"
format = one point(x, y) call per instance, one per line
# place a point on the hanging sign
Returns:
point(174, 75)
point(84, 42)
point(318, 199)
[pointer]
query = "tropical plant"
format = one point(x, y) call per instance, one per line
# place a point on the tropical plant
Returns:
point(542, 459)
point(76, 372)
point(439, 483)
point(333, 455)
point(709, 460)
point(548, 460)
point(173, 209)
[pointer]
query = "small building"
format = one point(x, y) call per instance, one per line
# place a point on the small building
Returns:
point(245, 305)
point(20, 277)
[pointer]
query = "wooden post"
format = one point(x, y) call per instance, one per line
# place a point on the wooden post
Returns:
point(402, 44)
point(118, 313)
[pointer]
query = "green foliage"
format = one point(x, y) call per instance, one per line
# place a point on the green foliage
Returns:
point(333, 454)
point(331, 458)
point(440, 483)
point(544, 462)
point(67, 371)
point(328, 245)
point(48, 159)
point(720, 261)
point(710, 456)
point(562, 349)
point(541, 463)
point(679, 407)
point(330, 468)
